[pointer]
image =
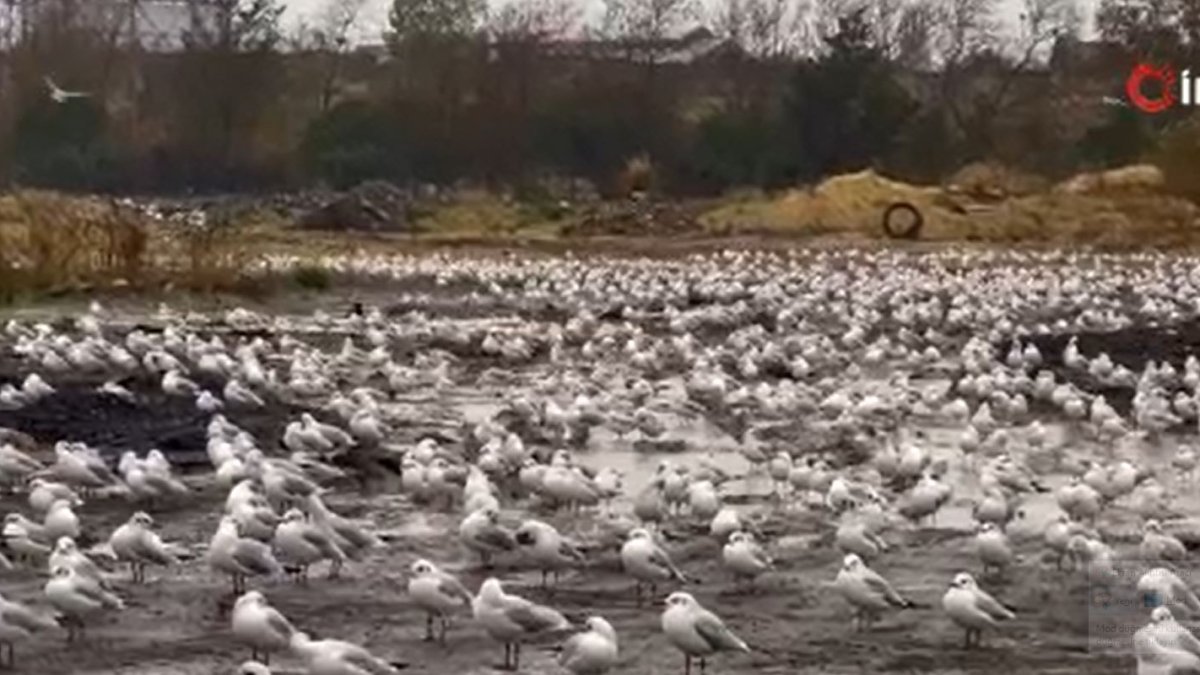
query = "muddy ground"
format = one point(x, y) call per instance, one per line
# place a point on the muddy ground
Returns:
point(175, 624)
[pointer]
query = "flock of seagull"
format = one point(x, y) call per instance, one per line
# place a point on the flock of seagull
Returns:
point(825, 370)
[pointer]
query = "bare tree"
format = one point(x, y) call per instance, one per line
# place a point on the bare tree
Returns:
point(644, 25)
point(915, 35)
point(331, 38)
point(981, 69)
point(535, 20)
point(768, 29)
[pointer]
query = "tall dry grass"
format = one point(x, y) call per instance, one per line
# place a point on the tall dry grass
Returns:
point(50, 241)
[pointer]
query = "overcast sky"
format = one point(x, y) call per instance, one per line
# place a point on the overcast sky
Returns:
point(376, 15)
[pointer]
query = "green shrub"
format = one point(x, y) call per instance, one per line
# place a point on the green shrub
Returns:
point(312, 277)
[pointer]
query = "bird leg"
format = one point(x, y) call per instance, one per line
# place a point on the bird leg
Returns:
point(507, 656)
point(445, 623)
point(687, 664)
point(637, 587)
point(516, 656)
point(428, 627)
point(703, 664)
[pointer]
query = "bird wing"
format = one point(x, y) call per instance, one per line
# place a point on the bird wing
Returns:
point(19, 615)
point(988, 605)
point(714, 632)
point(320, 541)
point(569, 550)
point(451, 586)
point(255, 556)
point(534, 618)
point(279, 623)
point(879, 585)
point(569, 649)
point(497, 537)
point(153, 549)
point(660, 558)
point(367, 662)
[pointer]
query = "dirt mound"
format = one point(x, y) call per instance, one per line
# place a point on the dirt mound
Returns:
point(634, 217)
point(1114, 208)
point(1135, 179)
point(374, 206)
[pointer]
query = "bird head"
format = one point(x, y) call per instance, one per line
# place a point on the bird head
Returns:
point(851, 562)
point(639, 533)
point(680, 599)
point(1161, 614)
point(963, 580)
point(491, 590)
point(65, 545)
point(250, 598)
point(421, 567)
point(142, 518)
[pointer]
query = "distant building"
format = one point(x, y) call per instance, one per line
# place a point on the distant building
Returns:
point(153, 25)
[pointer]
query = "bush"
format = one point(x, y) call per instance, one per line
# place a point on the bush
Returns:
point(1178, 155)
point(63, 145)
point(352, 143)
point(312, 278)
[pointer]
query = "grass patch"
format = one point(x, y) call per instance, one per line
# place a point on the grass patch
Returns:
point(312, 278)
point(53, 243)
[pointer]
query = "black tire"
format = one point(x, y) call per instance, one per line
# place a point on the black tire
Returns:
point(902, 220)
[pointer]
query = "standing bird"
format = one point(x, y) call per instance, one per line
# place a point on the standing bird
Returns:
point(301, 544)
point(438, 593)
point(646, 562)
point(868, 592)
point(548, 550)
point(593, 652)
point(481, 532)
point(240, 557)
point(18, 622)
point(353, 539)
point(138, 544)
point(260, 626)
point(697, 632)
point(77, 598)
point(745, 558)
point(511, 619)
point(973, 608)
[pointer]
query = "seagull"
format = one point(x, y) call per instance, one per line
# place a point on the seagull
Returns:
point(337, 657)
point(238, 556)
point(593, 652)
point(697, 632)
point(547, 549)
point(646, 562)
point(259, 625)
point(509, 619)
point(973, 608)
point(78, 597)
point(301, 543)
point(866, 590)
point(481, 532)
point(438, 593)
point(745, 558)
point(17, 622)
point(60, 95)
point(136, 543)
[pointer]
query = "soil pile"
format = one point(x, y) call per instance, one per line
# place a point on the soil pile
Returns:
point(634, 218)
point(374, 206)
